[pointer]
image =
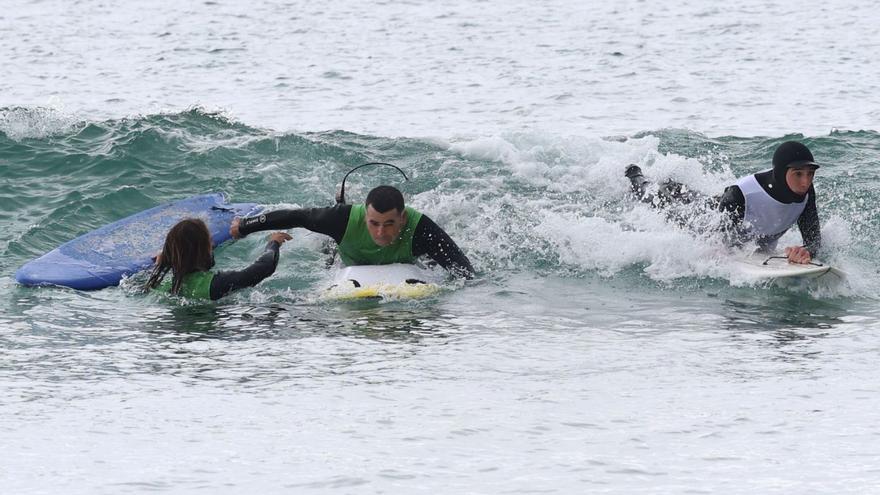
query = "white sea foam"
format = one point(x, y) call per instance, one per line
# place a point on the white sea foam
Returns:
point(36, 122)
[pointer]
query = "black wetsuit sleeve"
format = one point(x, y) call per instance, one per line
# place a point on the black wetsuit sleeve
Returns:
point(808, 223)
point(225, 282)
point(330, 221)
point(733, 203)
point(429, 239)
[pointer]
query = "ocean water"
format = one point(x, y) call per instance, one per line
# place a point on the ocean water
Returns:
point(599, 349)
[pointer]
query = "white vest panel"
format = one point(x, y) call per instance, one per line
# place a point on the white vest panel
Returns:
point(764, 216)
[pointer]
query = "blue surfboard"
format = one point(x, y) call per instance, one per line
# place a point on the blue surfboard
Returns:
point(102, 257)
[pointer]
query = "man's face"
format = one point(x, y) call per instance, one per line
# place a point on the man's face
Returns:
point(384, 227)
point(799, 180)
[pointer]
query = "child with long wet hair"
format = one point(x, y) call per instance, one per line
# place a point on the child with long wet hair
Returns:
point(188, 255)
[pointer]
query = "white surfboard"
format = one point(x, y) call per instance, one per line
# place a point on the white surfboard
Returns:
point(762, 266)
point(394, 281)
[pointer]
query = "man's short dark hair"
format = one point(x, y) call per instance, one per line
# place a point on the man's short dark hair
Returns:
point(384, 198)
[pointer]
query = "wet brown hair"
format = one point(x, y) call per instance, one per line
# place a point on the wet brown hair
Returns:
point(187, 249)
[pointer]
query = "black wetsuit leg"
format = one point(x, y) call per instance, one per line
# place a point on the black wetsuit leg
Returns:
point(669, 192)
point(638, 183)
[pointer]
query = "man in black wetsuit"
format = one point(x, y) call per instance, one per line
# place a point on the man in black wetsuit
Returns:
point(378, 232)
point(761, 207)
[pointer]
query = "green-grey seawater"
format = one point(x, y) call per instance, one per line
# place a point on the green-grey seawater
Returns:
point(594, 332)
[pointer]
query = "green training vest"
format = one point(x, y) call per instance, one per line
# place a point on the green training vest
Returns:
point(195, 285)
point(358, 248)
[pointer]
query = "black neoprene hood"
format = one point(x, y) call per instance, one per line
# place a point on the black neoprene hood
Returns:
point(792, 154)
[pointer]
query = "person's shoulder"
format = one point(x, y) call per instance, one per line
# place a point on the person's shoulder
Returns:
point(733, 190)
point(345, 210)
point(325, 211)
point(419, 214)
point(732, 197)
point(335, 207)
point(414, 213)
point(733, 187)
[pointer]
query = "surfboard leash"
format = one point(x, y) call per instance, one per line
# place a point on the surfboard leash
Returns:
point(340, 198)
point(785, 258)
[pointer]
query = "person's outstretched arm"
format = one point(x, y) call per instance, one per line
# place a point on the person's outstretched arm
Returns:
point(225, 282)
point(330, 221)
point(431, 240)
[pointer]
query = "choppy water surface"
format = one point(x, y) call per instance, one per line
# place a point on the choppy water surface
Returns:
point(488, 390)
point(599, 350)
point(457, 67)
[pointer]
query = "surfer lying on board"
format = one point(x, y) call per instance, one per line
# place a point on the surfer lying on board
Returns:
point(379, 232)
point(760, 207)
point(188, 255)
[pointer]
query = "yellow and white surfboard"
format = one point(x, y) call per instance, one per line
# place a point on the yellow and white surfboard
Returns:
point(394, 281)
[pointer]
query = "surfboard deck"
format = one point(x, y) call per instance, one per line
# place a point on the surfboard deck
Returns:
point(103, 256)
point(762, 266)
point(394, 281)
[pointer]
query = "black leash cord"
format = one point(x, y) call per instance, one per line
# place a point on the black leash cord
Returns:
point(785, 258)
point(340, 200)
